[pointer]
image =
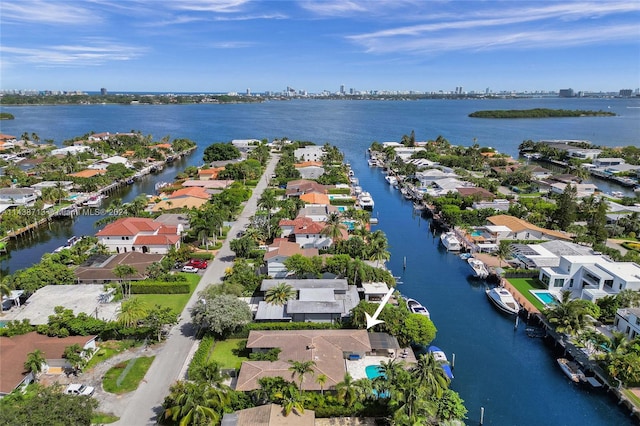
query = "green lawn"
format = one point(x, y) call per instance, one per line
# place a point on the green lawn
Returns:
point(131, 380)
point(632, 397)
point(108, 349)
point(225, 353)
point(176, 302)
point(103, 419)
point(523, 285)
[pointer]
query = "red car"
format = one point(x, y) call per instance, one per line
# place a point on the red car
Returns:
point(198, 263)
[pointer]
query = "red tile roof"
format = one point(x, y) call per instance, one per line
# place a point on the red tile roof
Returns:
point(193, 191)
point(156, 240)
point(313, 228)
point(129, 226)
point(282, 247)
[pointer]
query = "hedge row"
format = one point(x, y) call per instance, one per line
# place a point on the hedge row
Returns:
point(346, 191)
point(342, 202)
point(160, 288)
point(203, 256)
point(521, 273)
point(292, 326)
point(200, 357)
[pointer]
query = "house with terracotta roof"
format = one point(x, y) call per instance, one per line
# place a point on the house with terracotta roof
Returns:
point(315, 198)
point(87, 173)
point(7, 141)
point(280, 250)
point(209, 174)
point(139, 234)
point(15, 350)
point(306, 233)
point(268, 415)
point(296, 188)
point(330, 350)
point(522, 230)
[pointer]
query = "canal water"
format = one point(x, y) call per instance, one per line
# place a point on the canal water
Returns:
point(515, 378)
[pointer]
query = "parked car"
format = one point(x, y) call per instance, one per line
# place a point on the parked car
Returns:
point(198, 263)
point(191, 269)
point(78, 389)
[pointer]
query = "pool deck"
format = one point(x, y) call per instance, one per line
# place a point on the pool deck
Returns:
point(357, 367)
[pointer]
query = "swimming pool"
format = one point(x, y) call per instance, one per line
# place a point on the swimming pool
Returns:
point(547, 298)
point(342, 208)
point(373, 371)
point(476, 233)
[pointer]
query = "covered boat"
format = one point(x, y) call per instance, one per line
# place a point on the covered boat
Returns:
point(450, 241)
point(571, 370)
point(441, 358)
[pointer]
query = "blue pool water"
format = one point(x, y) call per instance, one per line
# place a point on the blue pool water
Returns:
point(372, 371)
point(476, 234)
point(342, 208)
point(544, 296)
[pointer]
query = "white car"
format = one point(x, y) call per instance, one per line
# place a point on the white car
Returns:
point(78, 389)
point(191, 269)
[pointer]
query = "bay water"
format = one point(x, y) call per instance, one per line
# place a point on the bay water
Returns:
point(513, 377)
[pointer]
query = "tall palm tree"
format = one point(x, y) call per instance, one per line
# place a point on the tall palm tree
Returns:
point(429, 374)
point(5, 290)
point(301, 368)
point(279, 294)
point(122, 272)
point(333, 226)
point(321, 380)
point(503, 251)
point(132, 311)
point(190, 404)
point(35, 363)
point(347, 390)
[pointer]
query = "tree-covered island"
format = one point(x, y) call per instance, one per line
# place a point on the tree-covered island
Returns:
point(6, 116)
point(539, 113)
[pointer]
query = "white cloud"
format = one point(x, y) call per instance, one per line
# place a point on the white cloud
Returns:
point(94, 53)
point(218, 6)
point(46, 12)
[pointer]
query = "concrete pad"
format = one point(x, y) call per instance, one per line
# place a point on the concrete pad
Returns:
point(79, 298)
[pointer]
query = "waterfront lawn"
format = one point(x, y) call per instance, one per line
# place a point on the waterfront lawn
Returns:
point(177, 302)
point(132, 378)
point(227, 354)
point(632, 397)
point(523, 285)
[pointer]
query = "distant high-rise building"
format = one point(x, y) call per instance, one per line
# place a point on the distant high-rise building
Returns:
point(625, 93)
point(248, 92)
point(566, 93)
point(342, 89)
point(103, 91)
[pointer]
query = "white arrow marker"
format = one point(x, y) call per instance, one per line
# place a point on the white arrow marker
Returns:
point(373, 320)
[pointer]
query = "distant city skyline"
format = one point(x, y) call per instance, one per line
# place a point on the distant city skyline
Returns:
point(247, 47)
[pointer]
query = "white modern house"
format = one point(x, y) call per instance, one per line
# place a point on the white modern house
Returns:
point(18, 196)
point(104, 163)
point(309, 153)
point(627, 321)
point(591, 277)
point(71, 150)
point(140, 234)
point(583, 190)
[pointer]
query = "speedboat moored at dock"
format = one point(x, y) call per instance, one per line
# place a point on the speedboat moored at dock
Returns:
point(450, 241)
point(503, 300)
point(479, 268)
point(571, 370)
point(417, 308)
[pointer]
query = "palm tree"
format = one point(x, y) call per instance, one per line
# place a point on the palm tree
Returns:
point(567, 315)
point(300, 368)
point(333, 226)
point(503, 251)
point(429, 374)
point(35, 363)
point(5, 290)
point(279, 294)
point(378, 246)
point(291, 399)
point(190, 404)
point(347, 390)
point(132, 311)
point(321, 380)
point(122, 272)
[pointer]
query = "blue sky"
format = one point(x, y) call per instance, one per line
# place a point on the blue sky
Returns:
point(232, 45)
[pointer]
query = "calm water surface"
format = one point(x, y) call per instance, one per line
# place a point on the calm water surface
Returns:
point(513, 377)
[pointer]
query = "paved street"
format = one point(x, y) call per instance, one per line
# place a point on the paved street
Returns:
point(144, 405)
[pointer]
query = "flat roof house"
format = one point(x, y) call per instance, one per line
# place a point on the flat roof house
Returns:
point(18, 196)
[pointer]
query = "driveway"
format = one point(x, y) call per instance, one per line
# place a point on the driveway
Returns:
point(145, 404)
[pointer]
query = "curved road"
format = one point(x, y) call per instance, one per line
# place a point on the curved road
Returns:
point(145, 404)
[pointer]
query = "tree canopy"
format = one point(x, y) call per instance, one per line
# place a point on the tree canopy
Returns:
point(220, 152)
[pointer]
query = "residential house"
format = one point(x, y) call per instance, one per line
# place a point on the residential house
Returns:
point(428, 177)
point(139, 234)
point(106, 162)
point(70, 150)
point(7, 142)
point(476, 193)
point(309, 153)
point(268, 415)
point(583, 190)
point(584, 154)
point(330, 350)
point(607, 162)
point(405, 152)
point(317, 212)
point(591, 277)
point(245, 145)
point(209, 174)
point(499, 204)
point(16, 349)
point(374, 291)
point(192, 197)
point(310, 169)
point(18, 196)
point(548, 254)
point(317, 300)
point(65, 185)
point(627, 321)
point(208, 184)
point(316, 198)
point(296, 188)
point(100, 269)
point(87, 173)
point(279, 251)
point(522, 230)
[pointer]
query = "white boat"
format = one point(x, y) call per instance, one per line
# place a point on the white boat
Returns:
point(93, 201)
point(365, 200)
point(571, 370)
point(373, 162)
point(391, 180)
point(70, 243)
point(503, 300)
point(416, 307)
point(479, 268)
point(357, 190)
point(441, 358)
point(450, 241)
